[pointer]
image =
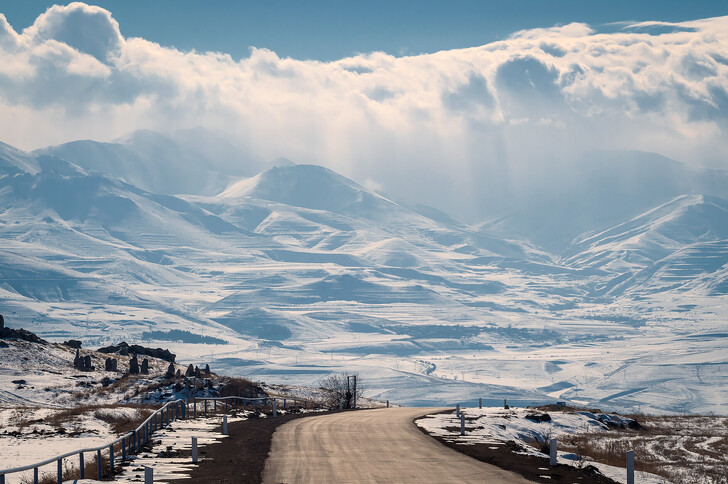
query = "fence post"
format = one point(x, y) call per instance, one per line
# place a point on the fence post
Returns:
point(480, 403)
point(194, 450)
point(457, 410)
point(194, 404)
point(148, 475)
point(60, 471)
point(98, 464)
point(205, 406)
point(552, 454)
point(167, 416)
point(111, 458)
point(82, 466)
point(214, 406)
point(35, 476)
point(224, 425)
point(387, 403)
point(341, 405)
point(462, 424)
point(630, 467)
point(284, 404)
point(275, 408)
point(225, 406)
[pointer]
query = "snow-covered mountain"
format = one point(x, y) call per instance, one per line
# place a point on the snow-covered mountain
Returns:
point(302, 271)
point(191, 161)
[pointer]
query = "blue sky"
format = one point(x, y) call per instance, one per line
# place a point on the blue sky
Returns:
point(332, 29)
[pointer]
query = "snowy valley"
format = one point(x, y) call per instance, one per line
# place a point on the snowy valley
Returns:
point(284, 273)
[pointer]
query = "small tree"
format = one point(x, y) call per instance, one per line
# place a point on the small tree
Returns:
point(336, 386)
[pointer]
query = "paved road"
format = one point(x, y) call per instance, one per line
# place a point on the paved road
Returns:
point(381, 445)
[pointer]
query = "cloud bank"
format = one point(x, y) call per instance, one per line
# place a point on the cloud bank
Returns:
point(457, 122)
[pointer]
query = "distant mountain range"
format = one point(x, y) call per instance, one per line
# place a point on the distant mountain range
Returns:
point(296, 266)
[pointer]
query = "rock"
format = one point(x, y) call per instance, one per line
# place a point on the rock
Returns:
point(114, 365)
point(179, 373)
point(145, 367)
point(134, 365)
point(87, 363)
point(170, 371)
point(207, 370)
point(110, 364)
point(2, 322)
point(77, 358)
point(24, 334)
point(3, 344)
point(543, 417)
point(190, 370)
point(634, 425)
point(20, 382)
point(72, 343)
point(197, 372)
point(124, 349)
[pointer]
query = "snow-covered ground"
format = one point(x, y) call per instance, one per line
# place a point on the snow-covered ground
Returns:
point(667, 447)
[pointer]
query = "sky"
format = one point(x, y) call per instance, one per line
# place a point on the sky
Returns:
point(332, 29)
point(453, 99)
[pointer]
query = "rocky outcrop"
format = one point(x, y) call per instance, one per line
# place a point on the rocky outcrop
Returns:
point(124, 348)
point(72, 343)
point(134, 365)
point(145, 367)
point(24, 334)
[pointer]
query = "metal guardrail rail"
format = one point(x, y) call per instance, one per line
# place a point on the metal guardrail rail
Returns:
point(132, 442)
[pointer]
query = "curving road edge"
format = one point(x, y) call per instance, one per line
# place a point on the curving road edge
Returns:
point(380, 445)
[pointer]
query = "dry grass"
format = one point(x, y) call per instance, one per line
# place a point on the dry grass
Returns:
point(679, 448)
point(71, 471)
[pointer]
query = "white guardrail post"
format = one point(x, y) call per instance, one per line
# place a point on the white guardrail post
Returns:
point(553, 443)
point(630, 467)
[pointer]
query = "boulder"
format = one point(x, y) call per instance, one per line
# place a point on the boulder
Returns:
point(197, 372)
point(145, 367)
point(134, 365)
point(107, 364)
point(190, 370)
point(207, 370)
point(3, 344)
point(72, 343)
point(87, 363)
point(170, 371)
point(77, 358)
point(539, 417)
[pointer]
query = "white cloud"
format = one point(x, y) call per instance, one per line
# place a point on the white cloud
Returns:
point(448, 119)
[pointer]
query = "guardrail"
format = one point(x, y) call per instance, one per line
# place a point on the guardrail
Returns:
point(132, 442)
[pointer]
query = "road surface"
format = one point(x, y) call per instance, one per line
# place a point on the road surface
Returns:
point(381, 445)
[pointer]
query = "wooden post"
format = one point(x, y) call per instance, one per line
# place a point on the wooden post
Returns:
point(284, 404)
point(205, 406)
point(630, 467)
point(224, 425)
point(275, 408)
point(194, 403)
point(194, 450)
point(60, 471)
point(111, 458)
point(225, 406)
point(553, 443)
point(457, 410)
point(148, 475)
point(35, 476)
point(214, 406)
point(387, 403)
point(480, 403)
point(82, 466)
point(462, 424)
point(168, 416)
